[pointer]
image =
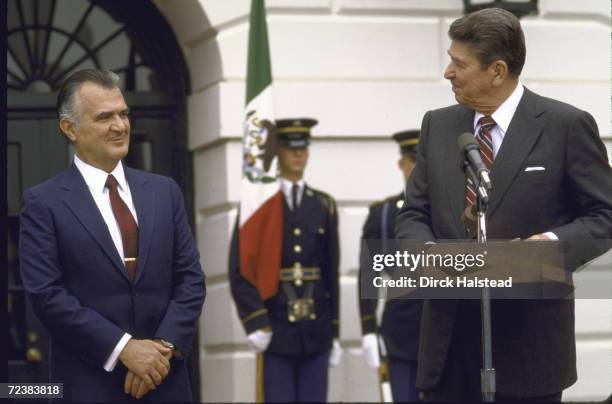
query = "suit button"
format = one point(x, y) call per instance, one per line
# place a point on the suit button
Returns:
point(297, 231)
point(297, 248)
point(321, 230)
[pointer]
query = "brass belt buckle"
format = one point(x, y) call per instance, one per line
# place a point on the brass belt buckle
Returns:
point(300, 310)
point(298, 274)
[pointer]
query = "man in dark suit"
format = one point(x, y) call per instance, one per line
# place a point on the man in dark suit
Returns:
point(108, 260)
point(297, 328)
point(551, 180)
point(401, 317)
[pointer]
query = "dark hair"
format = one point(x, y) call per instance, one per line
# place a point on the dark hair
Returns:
point(492, 33)
point(67, 100)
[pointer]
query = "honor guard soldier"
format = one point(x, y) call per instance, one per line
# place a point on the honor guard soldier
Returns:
point(297, 328)
point(401, 317)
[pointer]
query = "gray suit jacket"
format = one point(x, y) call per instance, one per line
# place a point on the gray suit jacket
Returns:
point(534, 349)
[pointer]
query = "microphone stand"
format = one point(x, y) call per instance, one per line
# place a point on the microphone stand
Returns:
point(487, 372)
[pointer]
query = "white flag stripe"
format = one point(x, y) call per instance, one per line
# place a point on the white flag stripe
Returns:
point(256, 194)
point(263, 103)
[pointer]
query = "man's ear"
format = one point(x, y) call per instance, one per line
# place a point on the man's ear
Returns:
point(68, 128)
point(499, 70)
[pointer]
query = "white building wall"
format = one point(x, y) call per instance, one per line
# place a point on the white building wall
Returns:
point(364, 69)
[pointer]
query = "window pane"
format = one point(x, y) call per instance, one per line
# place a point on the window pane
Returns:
point(115, 55)
point(13, 180)
point(68, 13)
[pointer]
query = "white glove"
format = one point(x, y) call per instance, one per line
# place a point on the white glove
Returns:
point(259, 340)
point(369, 344)
point(336, 354)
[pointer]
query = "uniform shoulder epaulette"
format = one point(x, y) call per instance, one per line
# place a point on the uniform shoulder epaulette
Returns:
point(377, 203)
point(326, 200)
point(392, 198)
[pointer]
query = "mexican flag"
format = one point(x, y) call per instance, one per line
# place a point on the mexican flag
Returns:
point(261, 199)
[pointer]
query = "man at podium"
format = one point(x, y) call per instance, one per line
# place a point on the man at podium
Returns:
point(551, 181)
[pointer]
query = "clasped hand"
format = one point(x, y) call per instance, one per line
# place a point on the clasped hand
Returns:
point(148, 364)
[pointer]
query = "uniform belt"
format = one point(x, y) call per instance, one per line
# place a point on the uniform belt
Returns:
point(299, 274)
point(300, 308)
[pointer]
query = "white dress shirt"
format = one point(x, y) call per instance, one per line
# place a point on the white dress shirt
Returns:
point(287, 186)
point(502, 117)
point(96, 180)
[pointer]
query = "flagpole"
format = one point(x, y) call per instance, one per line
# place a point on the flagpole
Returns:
point(260, 209)
point(259, 391)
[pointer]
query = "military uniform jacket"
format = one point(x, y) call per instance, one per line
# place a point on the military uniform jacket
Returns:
point(310, 239)
point(401, 317)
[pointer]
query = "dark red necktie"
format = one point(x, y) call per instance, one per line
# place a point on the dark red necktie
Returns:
point(127, 227)
point(485, 142)
point(294, 196)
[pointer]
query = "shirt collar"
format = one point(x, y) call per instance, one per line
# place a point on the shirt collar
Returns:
point(96, 178)
point(286, 185)
point(503, 115)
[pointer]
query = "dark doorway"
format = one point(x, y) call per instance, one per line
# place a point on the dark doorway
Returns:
point(47, 40)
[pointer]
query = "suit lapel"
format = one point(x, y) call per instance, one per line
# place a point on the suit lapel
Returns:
point(524, 131)
point(144, 203)
point(455, 178)
point(81, 203)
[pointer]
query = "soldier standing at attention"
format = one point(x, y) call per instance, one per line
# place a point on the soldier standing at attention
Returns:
point(296, 330)
point(401, 317)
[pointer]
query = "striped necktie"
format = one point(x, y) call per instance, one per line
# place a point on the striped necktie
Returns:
point(485, 142)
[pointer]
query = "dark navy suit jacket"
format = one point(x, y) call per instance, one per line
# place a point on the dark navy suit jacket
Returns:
point(79, 288)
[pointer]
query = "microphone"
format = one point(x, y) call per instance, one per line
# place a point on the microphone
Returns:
point(479, 188)
point(470, 151)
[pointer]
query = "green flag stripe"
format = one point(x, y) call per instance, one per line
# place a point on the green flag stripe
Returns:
point(259, 75)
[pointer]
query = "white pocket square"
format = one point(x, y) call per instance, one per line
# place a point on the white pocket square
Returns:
point(535, 169)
